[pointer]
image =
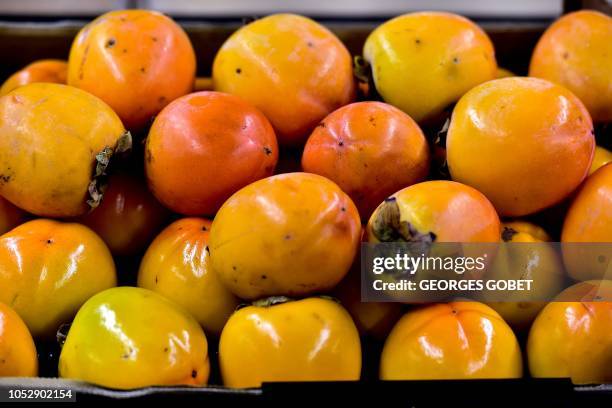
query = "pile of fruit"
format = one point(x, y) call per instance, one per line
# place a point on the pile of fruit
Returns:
point(424, 138)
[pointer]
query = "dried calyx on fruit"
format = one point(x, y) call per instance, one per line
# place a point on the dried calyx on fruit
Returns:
point(99, 179)
point(388, 226)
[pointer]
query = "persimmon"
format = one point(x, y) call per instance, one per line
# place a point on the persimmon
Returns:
point(571, 338)
point(310, 339)
point(576, 52)
point(522, 159)
point(129, 216)
point(291, 234)
point(292, 68)
point(204, 147)
point(526, 256)
point(137, 61)
point(47, 70)
point(49, 269)
point(55, 140)
point(17, 349)
point(435, 211)
point(177, 266)
point(129, 337)
point(589, 220)
point(459, 340)
point(423, 62)
point(370, 149)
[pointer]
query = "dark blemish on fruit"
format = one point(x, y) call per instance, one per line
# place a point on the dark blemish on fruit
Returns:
point(156, 279)
point(154, 39)
point(165, 349)
point(204, 228)
point(508, 233)
point(456, 60)
point(239, 71)
point(234, 267)
point(365, 165)
point(341, 143)
point(417, 41)
point(287, 237)
point(49, 241)
point(207, 250)
point(82, 64)
point(194, 374)
point(124, 50)
point(310, 44)
point(5, 178)
point(267, 150)
point(454, 311)
point(565, 55)
point(343, 209)
point(142, 69)
point(110, 43)
point(161, 99)
point(264, 277)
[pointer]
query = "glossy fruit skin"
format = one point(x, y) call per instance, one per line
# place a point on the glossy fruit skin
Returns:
point(452, 211)
point(589, 219)
point(423, 62)
point(49, 269)
point(177, 266)
point(572, 339)
point(576, 52)
point(17, 350)
point(47, 152)
point(311, 339)
point(537, 261)
point(291, 68)
point(130, 337)
point(48, 70)
point(370, 149)
point(137, 61)
point(204, 147)
point(523, 160)
point(600, 159)
point(292, 234)
point(10, 216)
point(129, 216)
point(457, 340)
